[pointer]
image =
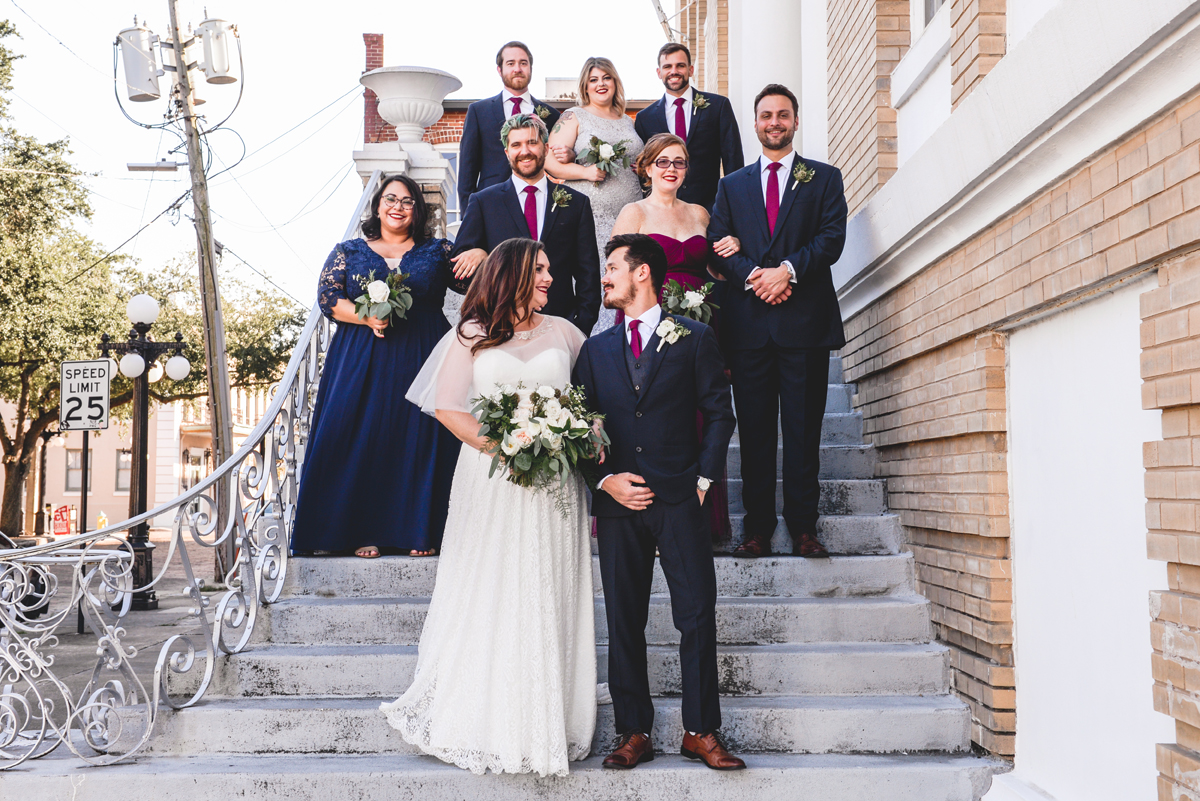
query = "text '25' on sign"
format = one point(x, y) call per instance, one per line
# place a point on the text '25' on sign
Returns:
point(83, 395)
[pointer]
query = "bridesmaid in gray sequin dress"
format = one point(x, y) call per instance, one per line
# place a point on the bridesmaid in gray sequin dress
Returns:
point(601, 113)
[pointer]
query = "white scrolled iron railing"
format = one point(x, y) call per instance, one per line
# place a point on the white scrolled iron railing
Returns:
point(113, 715)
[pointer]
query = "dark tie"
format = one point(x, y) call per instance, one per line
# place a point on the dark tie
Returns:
point(773, 196)
point(531, 211)
point(516, 101)
point(635, 338)
point(680, 119)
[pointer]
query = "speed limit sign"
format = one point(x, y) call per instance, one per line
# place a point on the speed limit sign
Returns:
point(83, 395)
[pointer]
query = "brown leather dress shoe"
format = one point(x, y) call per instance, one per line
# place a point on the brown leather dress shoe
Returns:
point(753, 548)
point(632, 750)
point(809, 547)
point(709, 749)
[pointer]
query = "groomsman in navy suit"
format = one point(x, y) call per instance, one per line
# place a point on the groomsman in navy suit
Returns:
point(481, 159)
point(781, 318)
point(527, 205)
point(702, 119)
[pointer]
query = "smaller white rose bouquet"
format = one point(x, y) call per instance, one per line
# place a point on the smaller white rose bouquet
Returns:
point(539, 435)
point(382, 298)
point(692, 303)
point(610, 158)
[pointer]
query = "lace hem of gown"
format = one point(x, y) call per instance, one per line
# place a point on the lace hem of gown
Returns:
point(413, 723)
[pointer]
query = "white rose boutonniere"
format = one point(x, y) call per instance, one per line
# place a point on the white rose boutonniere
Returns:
point(669, 332)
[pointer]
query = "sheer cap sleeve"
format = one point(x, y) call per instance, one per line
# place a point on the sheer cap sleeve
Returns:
point(331, 286)
point(446, 380)
point(573, 339)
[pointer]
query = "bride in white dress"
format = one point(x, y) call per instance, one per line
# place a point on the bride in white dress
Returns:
point(506, 666)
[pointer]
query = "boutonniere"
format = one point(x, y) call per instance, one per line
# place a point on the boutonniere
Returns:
point(669, 332)
point(541, 111)
point(802, 173)
point(699, 102)
point(561, 198)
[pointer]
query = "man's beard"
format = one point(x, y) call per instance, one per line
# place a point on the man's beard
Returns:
point(511, 81)
point(619, 302)
point(683, 81)
point(787, 139)
point(539, 165)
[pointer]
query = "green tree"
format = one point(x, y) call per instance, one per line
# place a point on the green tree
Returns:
point(58, 295)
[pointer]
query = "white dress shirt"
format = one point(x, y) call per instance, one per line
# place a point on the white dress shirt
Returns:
point(784, 174)
point(669, 99)
point(526, 103)
point(539, 197)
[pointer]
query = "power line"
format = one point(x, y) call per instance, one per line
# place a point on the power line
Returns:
point(61, 42)
point(336, 116)
point(174, 205)
point(57, 123)
point(226, 249)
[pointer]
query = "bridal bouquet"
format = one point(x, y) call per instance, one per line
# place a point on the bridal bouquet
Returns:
point(689, 302)
point(539, 435)
point(381, 298)
point(610, 158)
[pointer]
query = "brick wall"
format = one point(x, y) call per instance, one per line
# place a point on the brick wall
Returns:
point(866, 40)
point(977, 43)
point(929, 356)
point(374, 127)
point(448, 129)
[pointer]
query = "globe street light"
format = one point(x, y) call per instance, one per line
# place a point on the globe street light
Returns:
point(137, 352)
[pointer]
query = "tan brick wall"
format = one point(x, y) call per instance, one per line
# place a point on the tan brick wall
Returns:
point(929, 356)
point(977, 43)
point(866, 41)
point(692, 25)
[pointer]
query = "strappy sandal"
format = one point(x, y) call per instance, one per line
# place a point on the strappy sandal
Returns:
point(365, 552)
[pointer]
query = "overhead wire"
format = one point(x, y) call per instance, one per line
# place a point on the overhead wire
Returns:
point(61, 42)
point(175, 204)
point(226, 249)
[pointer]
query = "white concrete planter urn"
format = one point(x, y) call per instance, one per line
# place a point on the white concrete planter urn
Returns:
point(410, 98)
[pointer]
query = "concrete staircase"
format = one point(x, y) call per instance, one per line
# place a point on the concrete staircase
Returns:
point(833, 687)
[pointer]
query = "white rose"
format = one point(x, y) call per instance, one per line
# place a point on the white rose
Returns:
point(692, 299)
point(546, 392)
point(606, 151)
point(665, 327)
point(531, 427)
point(378, 291)
point(554, 441)
point(508, 389)
point(521, 415)
point(509, 447)
point(552, 408)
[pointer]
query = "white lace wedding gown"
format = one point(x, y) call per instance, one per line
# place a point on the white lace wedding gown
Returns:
point(506, 668)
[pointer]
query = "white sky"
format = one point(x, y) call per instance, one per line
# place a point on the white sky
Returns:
point(296, 63)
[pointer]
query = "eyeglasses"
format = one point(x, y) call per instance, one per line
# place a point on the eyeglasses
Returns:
point(664, 162)
point(406, 203)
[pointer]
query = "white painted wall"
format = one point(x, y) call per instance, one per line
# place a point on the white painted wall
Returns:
point(1086, 725)
point(1021, 15)
point(765, 46)
point(923, 111)
point(813, 139)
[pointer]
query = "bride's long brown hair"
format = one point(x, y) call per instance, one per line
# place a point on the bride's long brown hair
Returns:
point(500, 293)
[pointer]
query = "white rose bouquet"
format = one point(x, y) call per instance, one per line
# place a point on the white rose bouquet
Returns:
point(689, 302)
point(382, 298)
point(610, 158)
point(539, 435)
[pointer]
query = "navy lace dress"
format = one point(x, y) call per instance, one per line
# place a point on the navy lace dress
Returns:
point(377, 471)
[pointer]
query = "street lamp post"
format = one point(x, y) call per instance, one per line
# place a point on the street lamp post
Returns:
point(138, 352)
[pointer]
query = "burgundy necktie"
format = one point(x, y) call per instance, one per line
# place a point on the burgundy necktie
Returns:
point(773, 196)
point(680, 119)
point(531, 211)
point(635, 338)
point(516, 101)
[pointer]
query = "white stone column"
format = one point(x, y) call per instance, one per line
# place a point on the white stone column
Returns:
point(765, 46)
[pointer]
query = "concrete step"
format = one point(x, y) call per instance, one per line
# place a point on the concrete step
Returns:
point(394, 576)
point(838, 397)
point(740, 621)
point(791, 724)
point(841, 534)
point(774, 777)
point(837, 461)
point(836, 373)
point(838, 496)
point(837, 428)
point(387, 670)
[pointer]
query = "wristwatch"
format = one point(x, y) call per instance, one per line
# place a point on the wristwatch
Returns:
point(702, 483)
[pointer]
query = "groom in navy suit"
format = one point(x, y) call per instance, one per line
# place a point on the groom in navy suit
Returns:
point(781, 319)
point(649, 377)
point(702, 119)
point(481, 159)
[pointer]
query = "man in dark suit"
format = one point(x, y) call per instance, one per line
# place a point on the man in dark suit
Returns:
point(781, 318)
point(650, 377)
point(703, 119)
point(481, 159)
point(527, 205)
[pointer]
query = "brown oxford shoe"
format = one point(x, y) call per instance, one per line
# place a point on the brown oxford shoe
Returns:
point(709, 749)
point(809, 547)
point(753, 548)
point(632, 750)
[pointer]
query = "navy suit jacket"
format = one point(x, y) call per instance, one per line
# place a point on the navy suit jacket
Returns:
point(653, 427)
point(713, 141)
point(481, 159)
point(569, 234)
point(810, 232)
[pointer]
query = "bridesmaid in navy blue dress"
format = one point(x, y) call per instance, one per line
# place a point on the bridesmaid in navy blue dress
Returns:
point(377, 471)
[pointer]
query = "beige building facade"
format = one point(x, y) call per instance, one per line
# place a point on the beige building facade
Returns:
point(1021, 293)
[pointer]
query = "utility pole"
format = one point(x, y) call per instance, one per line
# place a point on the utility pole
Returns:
point(214, 325)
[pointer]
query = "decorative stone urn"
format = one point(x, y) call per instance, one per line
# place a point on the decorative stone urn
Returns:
point(410, 98)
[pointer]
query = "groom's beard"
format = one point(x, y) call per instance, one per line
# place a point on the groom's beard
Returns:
point(612, 301)
point(530, 168)
point(675, 82)
point(776, 140)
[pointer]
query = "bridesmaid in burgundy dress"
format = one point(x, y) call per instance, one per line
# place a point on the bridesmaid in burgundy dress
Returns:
point(681, 230)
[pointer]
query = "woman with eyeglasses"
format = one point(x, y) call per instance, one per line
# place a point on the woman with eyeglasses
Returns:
point(377, 471)
point(681, 228)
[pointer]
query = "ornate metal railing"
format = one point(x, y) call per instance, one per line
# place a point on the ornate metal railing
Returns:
point(112, 715)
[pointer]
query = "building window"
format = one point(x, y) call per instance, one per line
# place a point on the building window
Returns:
point(931, 8)
point(124, 470)
point(193, 468)
point(75, 469)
